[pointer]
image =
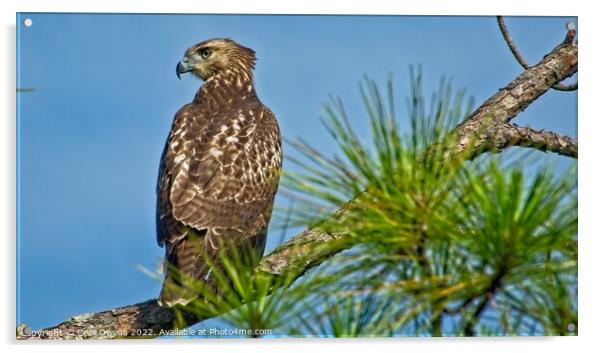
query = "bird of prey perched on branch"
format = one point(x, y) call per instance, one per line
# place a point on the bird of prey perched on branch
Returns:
point(219, 169)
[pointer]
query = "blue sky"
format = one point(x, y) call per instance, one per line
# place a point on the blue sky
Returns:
point(91, 134)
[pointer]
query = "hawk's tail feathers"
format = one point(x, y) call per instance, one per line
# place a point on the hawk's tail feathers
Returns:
point(189, 264)
point(186, 271)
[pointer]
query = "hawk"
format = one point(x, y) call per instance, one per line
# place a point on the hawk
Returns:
point(219, 170)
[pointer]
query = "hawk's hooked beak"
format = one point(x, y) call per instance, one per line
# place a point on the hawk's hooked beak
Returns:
point(183, 67)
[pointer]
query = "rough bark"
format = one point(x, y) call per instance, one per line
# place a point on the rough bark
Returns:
point(514, 135)
point(488, 128)
point(570, 38)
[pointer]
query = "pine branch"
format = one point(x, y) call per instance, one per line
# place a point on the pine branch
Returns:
point(487, 128)
point(146, 319)
point(570, 37)
point(547, 141)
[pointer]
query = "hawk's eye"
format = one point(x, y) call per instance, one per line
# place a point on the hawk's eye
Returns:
point(206, 52)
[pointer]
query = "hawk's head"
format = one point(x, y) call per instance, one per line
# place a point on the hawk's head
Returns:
point(213, 56)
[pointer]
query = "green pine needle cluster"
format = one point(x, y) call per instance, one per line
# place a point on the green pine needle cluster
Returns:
point(460, 247)
point(438, 244)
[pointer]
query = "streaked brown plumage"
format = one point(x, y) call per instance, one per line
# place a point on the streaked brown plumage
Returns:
point(219, 170)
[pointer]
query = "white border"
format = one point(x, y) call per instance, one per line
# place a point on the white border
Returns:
point(457, 7)
point(589, 167)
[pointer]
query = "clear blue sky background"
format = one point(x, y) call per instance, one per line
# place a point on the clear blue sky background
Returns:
point(92, 132)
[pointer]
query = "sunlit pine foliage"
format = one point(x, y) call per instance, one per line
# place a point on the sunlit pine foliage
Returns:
point(437, 244)
point(441, 244)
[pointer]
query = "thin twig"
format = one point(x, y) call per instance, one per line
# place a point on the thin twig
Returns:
point(513, 48)
point(566, 87)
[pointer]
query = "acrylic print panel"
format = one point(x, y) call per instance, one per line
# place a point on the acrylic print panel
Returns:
point(435, 175)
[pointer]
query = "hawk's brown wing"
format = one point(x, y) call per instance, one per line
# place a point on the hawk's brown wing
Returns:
point(218, 177)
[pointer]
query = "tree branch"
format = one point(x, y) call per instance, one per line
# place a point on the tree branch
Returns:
point(570, 36)
point(483, 129)
point(146, 319)
point(547, 141)
point(490, 122)
point(513, 48)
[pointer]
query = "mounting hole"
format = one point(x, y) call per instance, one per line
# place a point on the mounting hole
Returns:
point(27, 22)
